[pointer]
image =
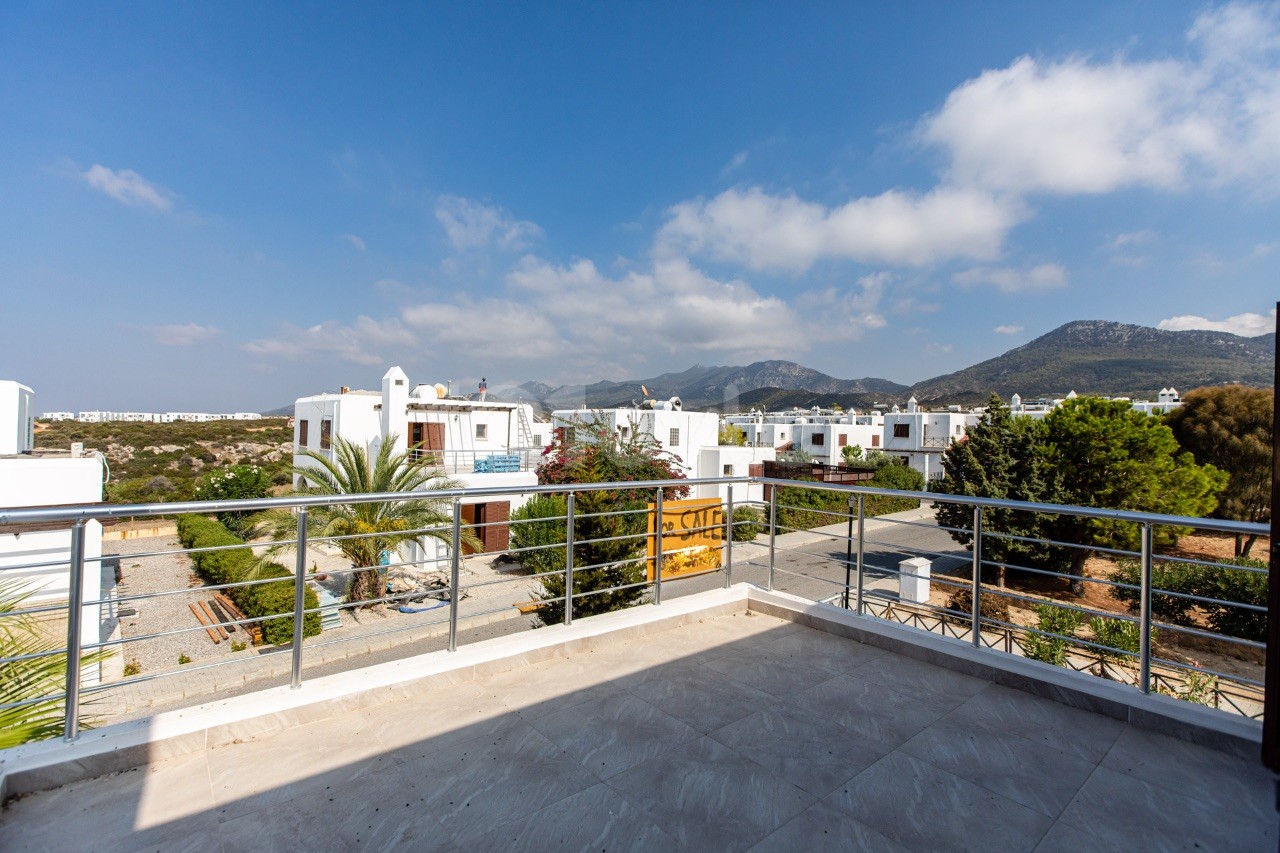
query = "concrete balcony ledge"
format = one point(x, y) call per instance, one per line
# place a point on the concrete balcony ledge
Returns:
point(168, 735)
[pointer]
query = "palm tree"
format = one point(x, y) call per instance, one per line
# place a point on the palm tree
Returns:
point(374, 528)
point(31, 689)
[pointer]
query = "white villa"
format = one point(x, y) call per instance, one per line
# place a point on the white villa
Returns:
point(479, 443)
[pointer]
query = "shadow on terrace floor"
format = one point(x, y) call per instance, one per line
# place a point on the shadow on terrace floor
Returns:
point(743, 732)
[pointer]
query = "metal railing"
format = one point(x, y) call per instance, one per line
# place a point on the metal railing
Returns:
point(846, 575)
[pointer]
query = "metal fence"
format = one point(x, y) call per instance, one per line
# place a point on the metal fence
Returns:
point(831, 556)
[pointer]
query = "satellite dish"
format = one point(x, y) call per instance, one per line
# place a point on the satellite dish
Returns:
point(441, 391)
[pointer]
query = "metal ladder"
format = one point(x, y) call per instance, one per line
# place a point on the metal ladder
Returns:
point(524, 435)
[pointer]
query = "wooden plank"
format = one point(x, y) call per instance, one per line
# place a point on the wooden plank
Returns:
point(253, 628)
point(222, 632)
point(223, 616)
point(213, 635)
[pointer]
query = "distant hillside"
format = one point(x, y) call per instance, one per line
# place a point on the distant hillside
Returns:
point(702, 387)
point(1099, 357)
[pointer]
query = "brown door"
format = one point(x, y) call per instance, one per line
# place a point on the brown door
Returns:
point(435, 436)
point(488, 522)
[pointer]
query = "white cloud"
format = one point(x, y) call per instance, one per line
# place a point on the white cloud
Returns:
point(1132, 238)
point(472, 225)
point(1008, 330)
point(1079, 126)
point(128, 187)
point(354, 343)
point(735, 163)
point(354, 242)
point(772, 232)
point(1261, 250)
point(1008, 280)
point(1245, 325)
point(184, 334)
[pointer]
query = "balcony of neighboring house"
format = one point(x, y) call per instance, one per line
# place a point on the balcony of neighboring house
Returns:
point(830, 669)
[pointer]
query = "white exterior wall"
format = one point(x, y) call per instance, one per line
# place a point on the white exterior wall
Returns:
point(712, 462)
point(17, 418)
point(696, 430)
point(33, 481)
point(354, 419)
point(929, 434)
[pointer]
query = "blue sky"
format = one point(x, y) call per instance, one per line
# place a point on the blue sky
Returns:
point(225, 207)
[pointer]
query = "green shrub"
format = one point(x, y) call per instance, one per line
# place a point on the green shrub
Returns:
point(1239, 586)
point(804, 508)
point(1059, 621)
point(183, 659)
point(540, 522)
point(258, 601)
point(748, 523)
point(1226, 584)
point(234, 482)
point(1185, 578)
point(1119, 634)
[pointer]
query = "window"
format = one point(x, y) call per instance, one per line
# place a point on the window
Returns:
point(843, 440)
point(675, 436)
point(728, 470)
point(482, 431)
point(302, 432)
point(875, 440)
point(818, 439)
point(326, 433)
point(902, 430)
point(537, 440)
point(959, 429)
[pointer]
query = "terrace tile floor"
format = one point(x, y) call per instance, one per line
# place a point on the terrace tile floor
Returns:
point(738, 733)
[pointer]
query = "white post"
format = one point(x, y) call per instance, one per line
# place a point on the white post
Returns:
point(913, 580)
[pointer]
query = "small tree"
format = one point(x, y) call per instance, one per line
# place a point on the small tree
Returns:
point(609, 524)
point(1059, 625)
point(1000, 457)
point(1106, 454)
point(732, 435)
point(1231, 429)
point(852, 454)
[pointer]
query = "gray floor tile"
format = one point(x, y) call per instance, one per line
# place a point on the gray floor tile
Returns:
point(813, 647)
point(159, 800)
point(922, 807)
point(1223, 781)
point(1022, 770)
point(1130, 812)
point(1072, 730)
point(708, 797)
point(777, 674)
point(1064, 838)
point(806, 751)
point(821, 828)
point(613, 733)
point(595, 819)
point(545, 688)
point(697, 696)
point(922, 680)
point(870, 710)
point(465, 785)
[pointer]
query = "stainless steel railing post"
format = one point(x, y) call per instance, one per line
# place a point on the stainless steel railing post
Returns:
point(299, 598)
point(728, 538)
point(455, 566)
point(861, 519)
point(657, 547)
point(71, 716)
point(773, 532)
point(977, 576)
point(1144, 612)
point(568, 559)
point(848, 556)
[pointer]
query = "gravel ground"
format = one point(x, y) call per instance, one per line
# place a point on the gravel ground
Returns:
point(173, 572)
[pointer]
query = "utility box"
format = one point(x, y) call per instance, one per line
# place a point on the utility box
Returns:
point(913, 580)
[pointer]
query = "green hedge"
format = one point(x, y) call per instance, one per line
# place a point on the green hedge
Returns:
point(265, 601)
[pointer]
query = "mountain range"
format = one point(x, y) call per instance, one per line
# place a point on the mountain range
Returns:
point(1086, 356)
